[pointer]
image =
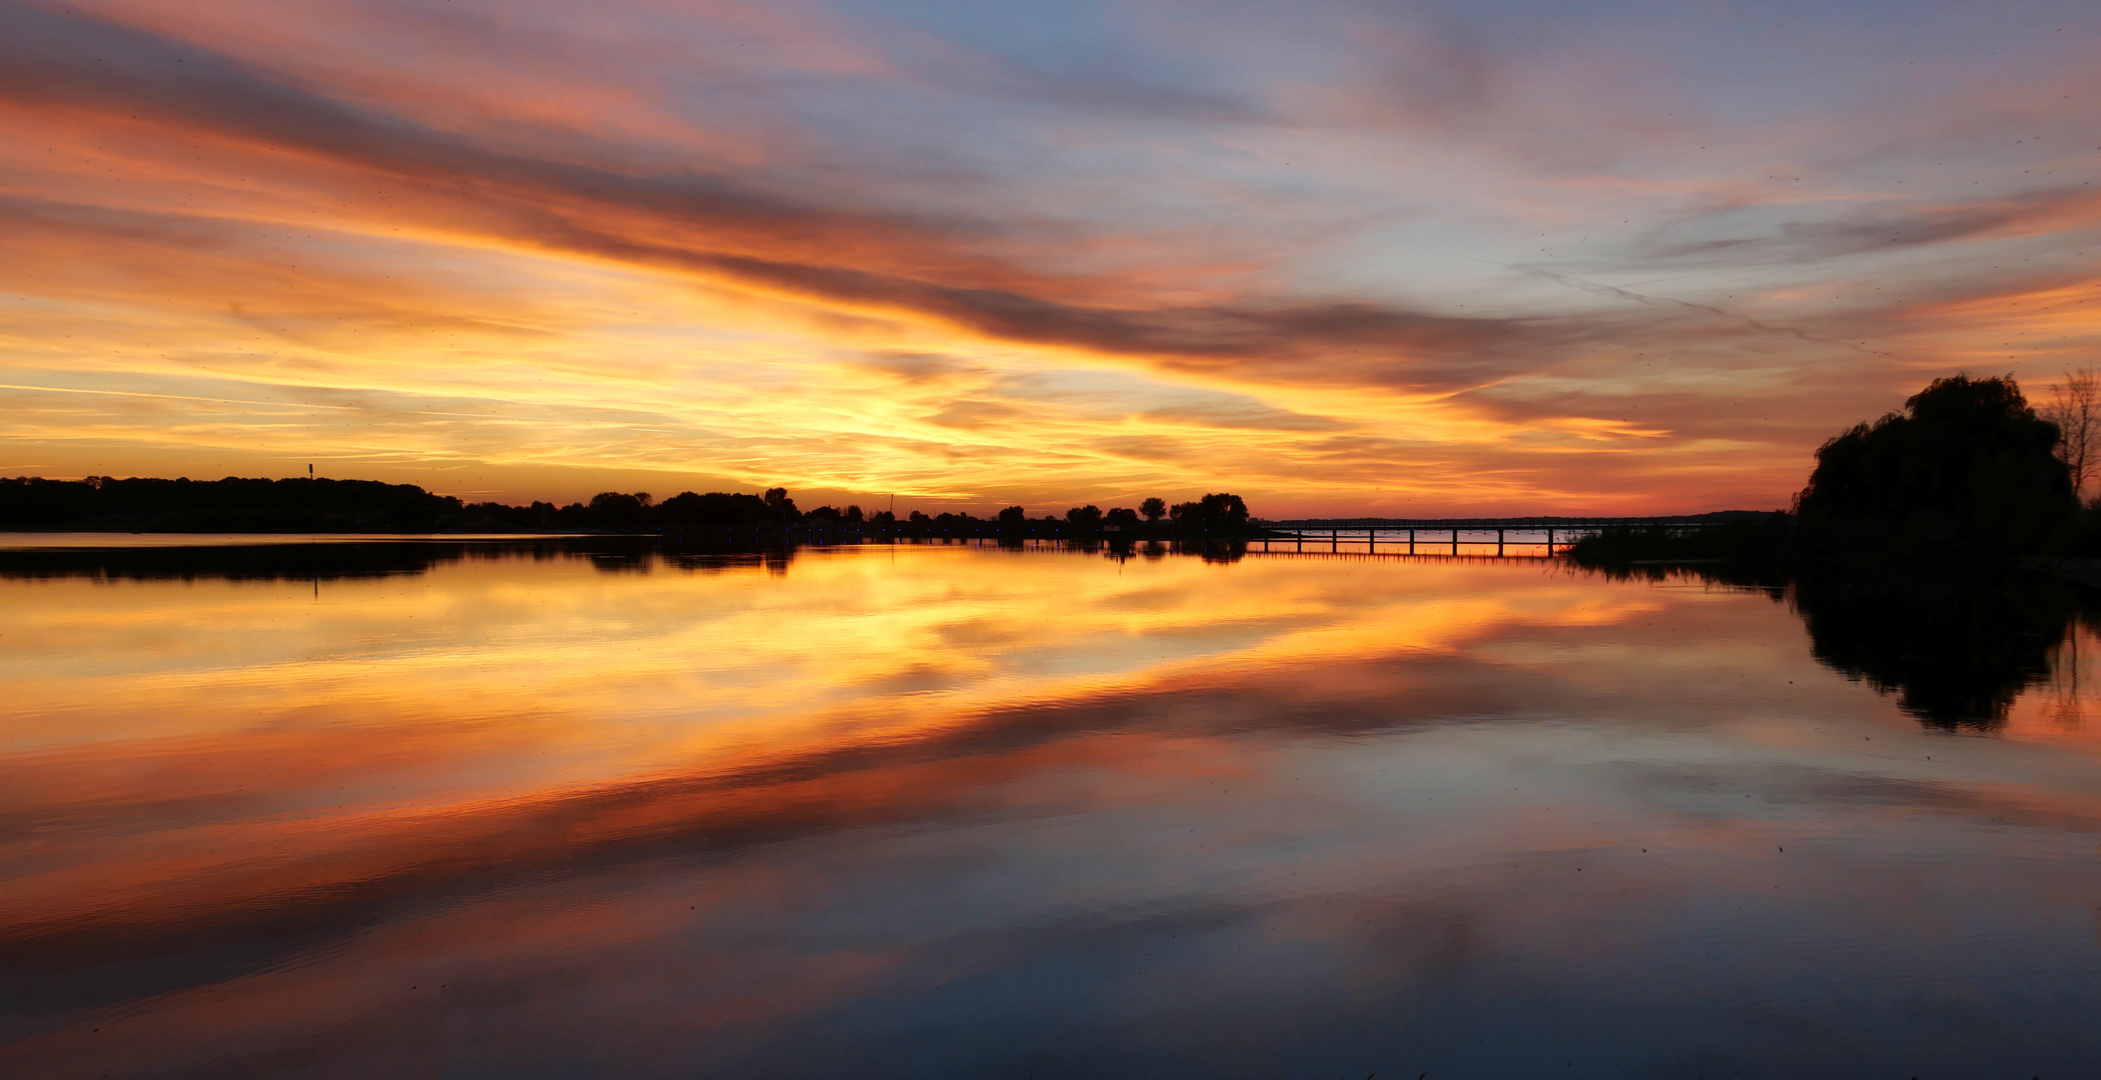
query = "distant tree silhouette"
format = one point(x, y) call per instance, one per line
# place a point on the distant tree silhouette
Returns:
point(1013, 515)
point(1220, 510)
point(615, 510)
point(1122, 517)
point(714, 510)
point(1968, 458)
point(1084, 518)
point(954, 524)
point(1154, 509)
point(780, 507)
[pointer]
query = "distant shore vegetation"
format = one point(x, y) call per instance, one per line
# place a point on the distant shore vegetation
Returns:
point(234, 504)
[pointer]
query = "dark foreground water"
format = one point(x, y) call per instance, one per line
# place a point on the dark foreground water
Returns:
point(495, 810)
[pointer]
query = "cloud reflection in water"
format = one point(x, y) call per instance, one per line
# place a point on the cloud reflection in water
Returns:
point(962, 811)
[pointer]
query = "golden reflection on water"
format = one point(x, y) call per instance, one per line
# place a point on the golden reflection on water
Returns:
point(631, 672)
point(452, 775)
point(271, 717)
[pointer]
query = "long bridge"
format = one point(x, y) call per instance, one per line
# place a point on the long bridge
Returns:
point(1445, 536)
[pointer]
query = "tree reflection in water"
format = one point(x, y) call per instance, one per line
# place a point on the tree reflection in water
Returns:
point(1956, 650)
point(1955, 653)
point(354, 560)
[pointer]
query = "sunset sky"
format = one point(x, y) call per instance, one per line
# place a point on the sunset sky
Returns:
point(1403, 259)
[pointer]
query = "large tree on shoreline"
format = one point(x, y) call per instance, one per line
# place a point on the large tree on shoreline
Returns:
point(1966, 456)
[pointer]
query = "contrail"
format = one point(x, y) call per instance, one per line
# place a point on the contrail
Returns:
point(1652, 301)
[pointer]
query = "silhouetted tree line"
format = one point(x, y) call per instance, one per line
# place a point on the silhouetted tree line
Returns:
point(1222, 515)
point(229, 505)
point(324, 505)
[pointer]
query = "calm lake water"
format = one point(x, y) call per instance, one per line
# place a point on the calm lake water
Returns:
point(577, 809)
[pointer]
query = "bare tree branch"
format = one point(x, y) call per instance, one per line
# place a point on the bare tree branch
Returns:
point(2075, 407)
